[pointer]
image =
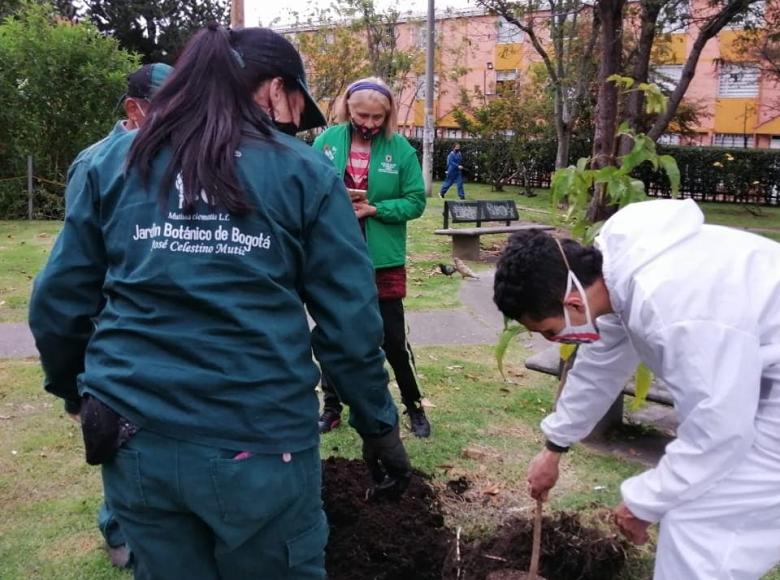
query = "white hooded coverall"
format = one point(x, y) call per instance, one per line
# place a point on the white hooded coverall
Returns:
point(700, 306)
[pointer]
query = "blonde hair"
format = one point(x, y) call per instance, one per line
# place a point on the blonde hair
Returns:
point(351, 97)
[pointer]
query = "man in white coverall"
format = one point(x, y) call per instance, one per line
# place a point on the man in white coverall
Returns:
point(700, 306)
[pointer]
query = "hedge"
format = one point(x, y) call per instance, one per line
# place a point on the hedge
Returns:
point(706, 173)
point(501, 161)
point(720, 174)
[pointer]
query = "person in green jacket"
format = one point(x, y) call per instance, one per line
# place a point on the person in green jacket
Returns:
point(142, 84)
point(382, 173)
point(172, 318)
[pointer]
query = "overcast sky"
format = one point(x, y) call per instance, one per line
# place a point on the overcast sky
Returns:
point(265, 11)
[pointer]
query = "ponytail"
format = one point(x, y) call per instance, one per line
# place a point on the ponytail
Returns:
point(201, 112)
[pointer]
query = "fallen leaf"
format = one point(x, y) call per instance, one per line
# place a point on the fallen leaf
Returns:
point(491, 490)
point(427, 404)
point(479, 453)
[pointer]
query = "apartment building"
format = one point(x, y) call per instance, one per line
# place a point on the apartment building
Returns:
point(479, 52)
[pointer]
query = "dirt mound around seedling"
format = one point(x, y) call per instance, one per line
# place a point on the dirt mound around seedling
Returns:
point(387, 540)
point(407, 539)
point(570, 551)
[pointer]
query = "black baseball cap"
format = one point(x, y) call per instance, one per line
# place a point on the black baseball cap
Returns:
point(143, 83)
point(273, 54)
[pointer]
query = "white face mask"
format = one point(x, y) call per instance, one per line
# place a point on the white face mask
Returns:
point(582, 333)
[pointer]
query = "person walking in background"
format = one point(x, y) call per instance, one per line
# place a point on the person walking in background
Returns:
point(381, 171)
point(142, 84)
point(454, 173)
point(171, 317)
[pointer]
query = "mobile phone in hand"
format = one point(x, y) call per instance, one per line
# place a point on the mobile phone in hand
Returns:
point(356, 195)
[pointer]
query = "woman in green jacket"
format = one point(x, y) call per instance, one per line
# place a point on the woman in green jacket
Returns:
point(383, 176)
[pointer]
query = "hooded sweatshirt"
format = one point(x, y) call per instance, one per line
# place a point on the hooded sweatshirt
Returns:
point(700, 306)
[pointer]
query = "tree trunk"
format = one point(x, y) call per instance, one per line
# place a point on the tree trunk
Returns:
point(641, 69)
point(611, 16)
point(563, 134)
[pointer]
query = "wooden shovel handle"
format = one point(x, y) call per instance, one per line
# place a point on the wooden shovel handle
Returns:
point(537, 545)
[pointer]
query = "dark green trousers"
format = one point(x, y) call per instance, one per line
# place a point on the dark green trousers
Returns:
point(194, 512)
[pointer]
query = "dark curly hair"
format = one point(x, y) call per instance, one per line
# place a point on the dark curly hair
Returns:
point(531, 276)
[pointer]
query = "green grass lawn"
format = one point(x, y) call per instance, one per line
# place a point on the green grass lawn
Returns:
point(24, 248)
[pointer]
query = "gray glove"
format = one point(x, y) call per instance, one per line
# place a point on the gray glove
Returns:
point(388, 463)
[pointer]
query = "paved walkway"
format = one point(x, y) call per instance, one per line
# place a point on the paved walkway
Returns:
point(16, 341)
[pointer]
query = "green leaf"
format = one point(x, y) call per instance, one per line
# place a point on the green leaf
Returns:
point(604, 174)
point(636, 191)
point(567, 350)
point(624, 82)
point(590, 233)
point(506, 337)
point(672, 170)
point(642, 381)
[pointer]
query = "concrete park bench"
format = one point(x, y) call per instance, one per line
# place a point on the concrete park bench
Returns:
point(465, 241)
point(548, 361)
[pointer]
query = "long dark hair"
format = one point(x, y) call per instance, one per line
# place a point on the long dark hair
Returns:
point(202, 110)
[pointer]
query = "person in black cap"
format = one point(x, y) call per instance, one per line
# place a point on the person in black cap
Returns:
point(283, 93)
point(141, 86)
point(197, 246)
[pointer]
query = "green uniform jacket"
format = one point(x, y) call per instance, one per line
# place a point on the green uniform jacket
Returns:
point(80, 164)
point(194, 326)
point(395, 188)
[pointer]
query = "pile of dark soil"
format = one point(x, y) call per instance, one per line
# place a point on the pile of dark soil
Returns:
point(381, 540)
point(406, 539)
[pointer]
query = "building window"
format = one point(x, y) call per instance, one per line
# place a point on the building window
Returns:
point(505, 80)
point(675, 16)
point(752, 18)
point(508, 33)
point(667, 77)
point(774, 142)
point(737, 80)
point(736, 140)
point(669, 139)
point(422, 37)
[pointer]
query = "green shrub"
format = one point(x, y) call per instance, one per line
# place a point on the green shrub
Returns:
point(59, 91)
point(720, 174)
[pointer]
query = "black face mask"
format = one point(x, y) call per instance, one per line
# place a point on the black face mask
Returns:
point(288, 128)
point(365, 132)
